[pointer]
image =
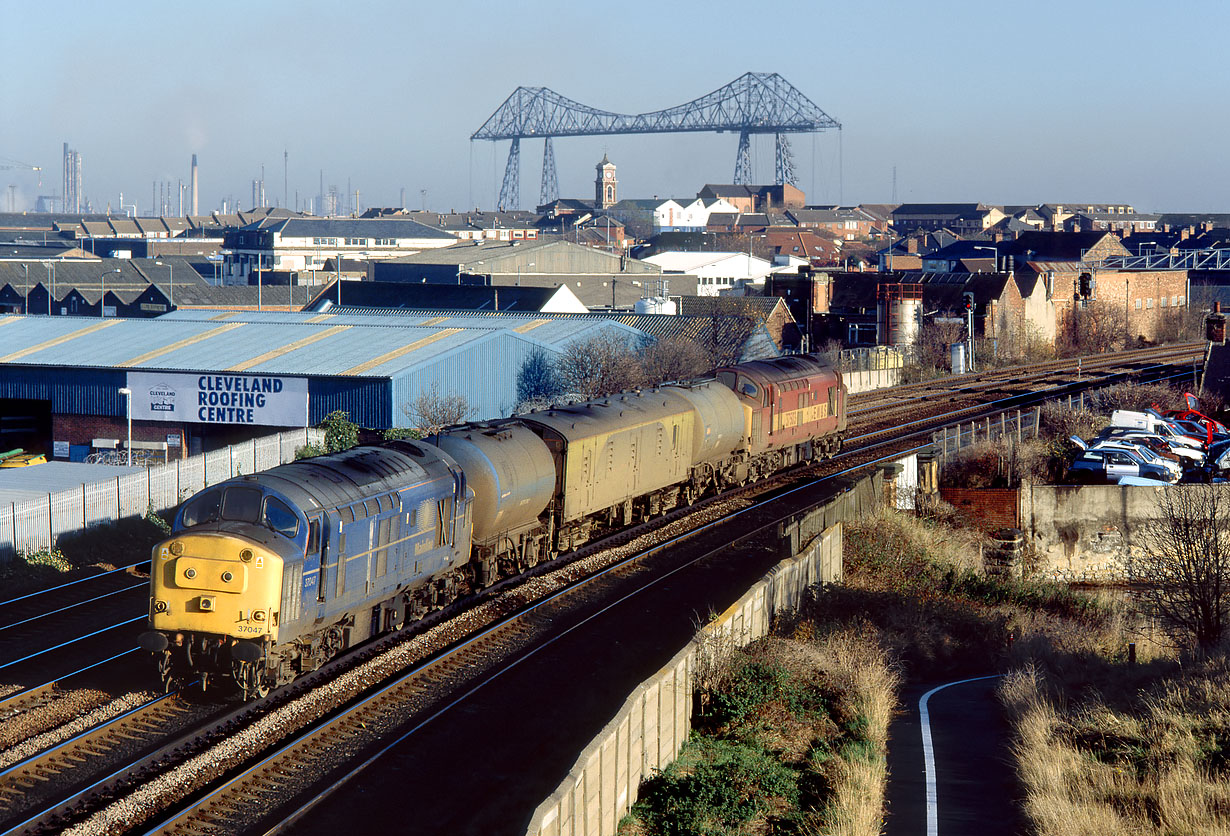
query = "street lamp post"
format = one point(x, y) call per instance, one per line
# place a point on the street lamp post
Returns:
point(994, 258)
point(102, 299)
point(171, 272)
point(127, 393)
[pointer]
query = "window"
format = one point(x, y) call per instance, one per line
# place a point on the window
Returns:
point(832, 400)
point(1137, 304)
point(313, 543)
point(242, 505)
point(202, 508)
point(1149, 303)
point(280, 518)
point(1163, 302)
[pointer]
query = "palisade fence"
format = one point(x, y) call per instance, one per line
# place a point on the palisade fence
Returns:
point(1010, 425)
point(35, 524)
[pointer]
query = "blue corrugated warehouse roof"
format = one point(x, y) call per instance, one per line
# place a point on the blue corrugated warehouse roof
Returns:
point(551, 329)
point(272, 343)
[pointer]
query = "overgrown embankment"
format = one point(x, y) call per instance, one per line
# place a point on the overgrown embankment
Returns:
point(790, 734)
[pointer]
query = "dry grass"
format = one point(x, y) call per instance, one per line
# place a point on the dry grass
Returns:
point(859, 666)
point(1140, 751)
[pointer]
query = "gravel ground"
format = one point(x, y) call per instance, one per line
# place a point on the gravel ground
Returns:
point(170, 786)
point(47, 713)
point(81, 720)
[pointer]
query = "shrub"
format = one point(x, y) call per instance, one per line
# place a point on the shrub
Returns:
point(394, 433)
point(53, 559)
point(307, 451)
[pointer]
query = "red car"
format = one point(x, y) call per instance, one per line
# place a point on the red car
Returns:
point(1193, 413)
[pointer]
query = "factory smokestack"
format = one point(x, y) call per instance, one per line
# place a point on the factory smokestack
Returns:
point(195, 211)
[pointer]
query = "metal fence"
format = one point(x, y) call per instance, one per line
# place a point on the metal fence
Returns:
point(35, 524)
point(873, 358)
point(1012, 426)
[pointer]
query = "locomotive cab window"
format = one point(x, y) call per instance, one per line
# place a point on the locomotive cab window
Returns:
point(202, 509)
point(832, 400)
point(280, 518)
point(242, 505)
point(313, 543)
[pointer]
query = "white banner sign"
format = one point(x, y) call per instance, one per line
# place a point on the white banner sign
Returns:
point(267, 400)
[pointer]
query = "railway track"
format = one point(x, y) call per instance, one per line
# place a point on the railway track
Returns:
point(189, 749)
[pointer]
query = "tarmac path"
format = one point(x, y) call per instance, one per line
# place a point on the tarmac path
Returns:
point(969, 787)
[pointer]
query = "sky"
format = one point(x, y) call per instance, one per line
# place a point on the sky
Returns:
point(1095, 101)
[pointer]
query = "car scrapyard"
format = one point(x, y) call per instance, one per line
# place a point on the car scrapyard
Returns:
point(1148, 447)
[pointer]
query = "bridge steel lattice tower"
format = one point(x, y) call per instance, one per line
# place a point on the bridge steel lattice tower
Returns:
point(754, 103)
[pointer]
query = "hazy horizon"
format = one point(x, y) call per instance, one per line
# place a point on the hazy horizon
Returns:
point(1092, 102)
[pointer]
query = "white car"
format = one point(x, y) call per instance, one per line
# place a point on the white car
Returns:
point(1142, 452)
point(1189, 455)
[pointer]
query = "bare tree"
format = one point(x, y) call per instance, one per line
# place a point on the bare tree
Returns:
point(537, 381)
point(1093, 328)
point(931, 349)
point(674, 359)
point(1184, 568)
point(600, 366)
point(732, 321)
point(433, 410)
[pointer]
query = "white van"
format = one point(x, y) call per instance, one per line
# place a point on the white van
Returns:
point(1154, 423)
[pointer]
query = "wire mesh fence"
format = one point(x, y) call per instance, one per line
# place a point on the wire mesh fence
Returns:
point(33, 524)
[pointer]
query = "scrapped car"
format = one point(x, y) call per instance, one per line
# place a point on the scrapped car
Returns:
point(1111, 465)
point(1171, 465)
point(1192, 413)
point(1187, 455)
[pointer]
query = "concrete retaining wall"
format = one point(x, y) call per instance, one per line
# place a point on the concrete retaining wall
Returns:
point(865, 381)
point(655, 721)
point(1084, 532)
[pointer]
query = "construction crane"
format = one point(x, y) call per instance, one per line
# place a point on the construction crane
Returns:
point(7, 164)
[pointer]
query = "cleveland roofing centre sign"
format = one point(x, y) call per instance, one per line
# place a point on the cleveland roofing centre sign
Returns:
point(267, 400)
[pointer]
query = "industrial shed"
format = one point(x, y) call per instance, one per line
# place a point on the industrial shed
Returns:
point(201, 379)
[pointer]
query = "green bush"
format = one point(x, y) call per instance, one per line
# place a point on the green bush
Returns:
point(394, 433)
point(340, 432)
point(715, 788)
point(51, 558)
point(308, 451)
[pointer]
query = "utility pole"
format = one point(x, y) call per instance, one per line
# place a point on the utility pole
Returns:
point(285, 180)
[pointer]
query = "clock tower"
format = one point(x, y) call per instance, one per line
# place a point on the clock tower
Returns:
point(605, 185)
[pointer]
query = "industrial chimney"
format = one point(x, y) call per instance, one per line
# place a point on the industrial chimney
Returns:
point(194, 187)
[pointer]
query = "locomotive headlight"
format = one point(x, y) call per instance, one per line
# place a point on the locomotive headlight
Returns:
point(207, 603)
point(190, 573)
point(245, 555)
point(227, 577)
point(160, 606)
point(258, 615)
point(177, 548)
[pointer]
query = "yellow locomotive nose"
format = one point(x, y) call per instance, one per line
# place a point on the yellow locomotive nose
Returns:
point(216, 584)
